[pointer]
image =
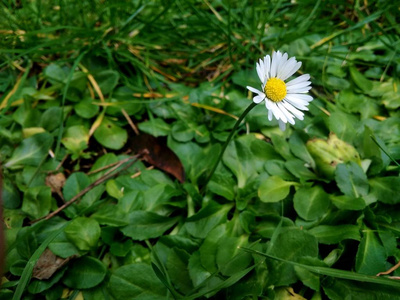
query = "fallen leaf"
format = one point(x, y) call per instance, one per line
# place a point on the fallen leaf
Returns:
point(56, 183)
point(48, 264)
point(157, 153)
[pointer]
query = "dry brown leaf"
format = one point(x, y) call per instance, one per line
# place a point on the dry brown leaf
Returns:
point(48, 264)
point(158, 154)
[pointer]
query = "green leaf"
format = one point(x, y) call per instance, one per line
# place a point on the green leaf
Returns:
point(371, 255)
point(83, 232)
point(311, 203)
point(76, 139)
point(110, 135)
point(238, 157)
point(327, 234)
point(55, 74)
point(136, 281)
point(155, 127)
point(37, 201)
point(230, 260)
point(182, 132)
point(274, 189)
point(210, 216)
point(107, 80)
point(351, 180)
point(74, 184)
point(84, 273)
point(31, 151)
point(348, 203)
point(290, 244)
point(145, 225)
point(363, 83)
point(386, 189)
point(347, 289)
point(86, 109)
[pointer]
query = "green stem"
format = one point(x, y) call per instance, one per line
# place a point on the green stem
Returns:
point(248, 109)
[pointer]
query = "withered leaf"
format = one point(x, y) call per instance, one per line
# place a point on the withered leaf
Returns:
point(157, 153)
point(48, 263)
point(56, 182)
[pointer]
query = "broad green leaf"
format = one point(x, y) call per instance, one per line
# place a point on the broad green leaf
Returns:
point(155, 127)
point(223, 185)
point(182, 132)
point(351, 180)
point(55, 74)
point(311, 203)
point(111, 135)
point(103, 161)
point(290, 244)
point(238, 157)
point(371, 255)
point(83, 232)
point(112, 215)
point(84, 273)
point(210, 216)
point(274, 189)
point(343, 125)
point(136, 281)
point(177, 267)
point(51, 118)
point(10, 195)
point(337, 289)
point(363, 83)
point(298, 147)
point(31, 151)
point(107, 80)
point(62, 247)
point(386, 189)
point(208, 250)
point(348, 202)
point(74, 184)
point(76, 139)
point(327, 234)
point(229, 258)
point(86, 109)
point(37, 201)
point(145, 225)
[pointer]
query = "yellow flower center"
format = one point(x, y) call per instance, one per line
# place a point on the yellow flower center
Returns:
point(275, 89)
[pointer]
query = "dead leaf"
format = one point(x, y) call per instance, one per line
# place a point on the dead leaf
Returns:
point(48, 264)
point(157, 153)
point(56, 183)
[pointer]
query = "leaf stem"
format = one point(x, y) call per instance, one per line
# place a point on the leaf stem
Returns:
point(233, 131)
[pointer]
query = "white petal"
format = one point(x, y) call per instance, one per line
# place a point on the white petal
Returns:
point(293, 70)
point(282, 63)
point(276, 57)
point(267, 67)
point(297, 103)
point(254, 90)
point(299, 85)
point(259, 72)
point(303, 97)
point(278, 113)
point(297, 113)
point(299, 90)
point(269, 114)
point(259, 98)
point(286, 68)
point(287, 114)
point(282, 125)
point(299, 79)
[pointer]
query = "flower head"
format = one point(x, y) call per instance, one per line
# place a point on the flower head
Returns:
point(284, 100)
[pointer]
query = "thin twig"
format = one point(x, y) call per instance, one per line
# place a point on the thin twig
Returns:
point(105, 177)
point(394, 268)
point(135, 129)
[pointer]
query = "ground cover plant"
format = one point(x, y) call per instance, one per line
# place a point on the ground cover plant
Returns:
point(113, 114)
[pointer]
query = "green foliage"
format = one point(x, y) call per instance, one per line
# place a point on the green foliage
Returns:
point(310, 212)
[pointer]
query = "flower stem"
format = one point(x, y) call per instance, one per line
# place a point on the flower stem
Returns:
point(248, 109)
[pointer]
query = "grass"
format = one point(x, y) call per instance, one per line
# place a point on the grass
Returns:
point(79, 78)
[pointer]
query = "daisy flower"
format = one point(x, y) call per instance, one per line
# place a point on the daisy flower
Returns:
point(284, 100)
